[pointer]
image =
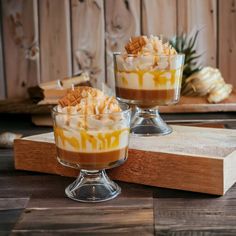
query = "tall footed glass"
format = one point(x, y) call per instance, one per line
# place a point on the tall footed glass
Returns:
point(148, 81)
point(92, 143)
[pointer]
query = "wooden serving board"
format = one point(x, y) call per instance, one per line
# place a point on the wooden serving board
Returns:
point(191, 158)
point(200, 104)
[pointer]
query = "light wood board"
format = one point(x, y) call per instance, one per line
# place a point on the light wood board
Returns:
point(191, 158)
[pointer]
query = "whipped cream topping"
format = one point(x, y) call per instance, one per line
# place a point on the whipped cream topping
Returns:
point(154, 46)
point(143, 53)
point(90, 109)
point(88, 101)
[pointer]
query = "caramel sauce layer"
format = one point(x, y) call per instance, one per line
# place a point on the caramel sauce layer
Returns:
point(95, 160)
point(165, 95)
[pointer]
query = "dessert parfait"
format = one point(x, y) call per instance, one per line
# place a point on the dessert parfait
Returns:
point(91, 133)
point(148, 73)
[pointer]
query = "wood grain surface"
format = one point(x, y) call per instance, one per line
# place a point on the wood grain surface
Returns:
point(23, 106)
point(159, 18)
point(195, 159)
point(10, 211)
point(200, 15)
point(195, 216)
point(26, 195)
point(20, 36)
point(122, 22)
point(185, 105)
point(134, 215)
point(55, 41)
point(2, 79)
point(200, 105)
point(88, 39)
point(82, 35)
point(227, 40)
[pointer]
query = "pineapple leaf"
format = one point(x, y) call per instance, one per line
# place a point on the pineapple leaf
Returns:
point(191, 44)
point(186, 45)
point(189, 59)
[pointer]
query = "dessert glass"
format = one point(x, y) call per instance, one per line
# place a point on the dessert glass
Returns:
point(102, 145)
point(147, 89)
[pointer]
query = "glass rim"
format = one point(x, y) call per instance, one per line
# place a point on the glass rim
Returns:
point(160, 55)
point(126, 110)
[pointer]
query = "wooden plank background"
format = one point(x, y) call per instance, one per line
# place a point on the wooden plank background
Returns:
point(2, 81)
point(122, 22)
point(20, 44)
point(200, 15)
point(55, 42)
point(49, 39)
point(227, 39)
point(88, 39)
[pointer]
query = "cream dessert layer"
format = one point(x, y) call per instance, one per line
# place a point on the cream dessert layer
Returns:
point(149, 80)
point(148, 64)
point(92, 142)
point(148, 72)
point(90, 122)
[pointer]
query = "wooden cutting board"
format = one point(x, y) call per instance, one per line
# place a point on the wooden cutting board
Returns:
point(200, 104)
point(191, 158)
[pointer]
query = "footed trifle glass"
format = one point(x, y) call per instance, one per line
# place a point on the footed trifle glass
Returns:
point(101, 144)
point(148, 81)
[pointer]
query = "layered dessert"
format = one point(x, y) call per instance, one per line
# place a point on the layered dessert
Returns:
point(148, 72)
point(91, 130)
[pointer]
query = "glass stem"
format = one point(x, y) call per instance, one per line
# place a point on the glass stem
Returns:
point(92, 186)
point(147, 121)
point(92, 175)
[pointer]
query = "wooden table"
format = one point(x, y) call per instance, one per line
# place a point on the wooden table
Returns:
point(34, 203)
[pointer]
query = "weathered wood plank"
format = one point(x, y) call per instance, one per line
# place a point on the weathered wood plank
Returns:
point(23, 106)
point(196, 215)
point(2, 79)
point(200, 15)
point(10, 210)
point(88, 39)
point(55, 42)
point(159, 17)
point(122, 22)
point(6, 160)
point(8, 220)
point(13, 203)
point(227, 40)
point(114, 217)
point(25, 186)
point(20, 36)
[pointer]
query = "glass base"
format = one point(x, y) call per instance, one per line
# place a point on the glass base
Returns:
point(92, 186)
point(147, 122)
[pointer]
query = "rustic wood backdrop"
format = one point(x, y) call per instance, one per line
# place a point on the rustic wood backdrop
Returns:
point(44, 40)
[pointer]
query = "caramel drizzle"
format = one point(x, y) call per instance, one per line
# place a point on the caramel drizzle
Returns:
point(100, 141)
point(159, 77)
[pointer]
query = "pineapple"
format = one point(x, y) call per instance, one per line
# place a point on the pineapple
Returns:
point(186, 45)
point(198, 81)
